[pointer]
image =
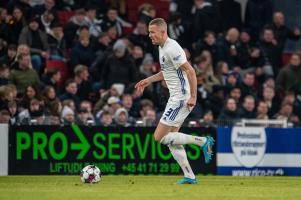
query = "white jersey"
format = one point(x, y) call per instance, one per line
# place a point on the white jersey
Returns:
point(172, 56)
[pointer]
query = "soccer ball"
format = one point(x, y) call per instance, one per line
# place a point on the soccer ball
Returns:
point(90, 174)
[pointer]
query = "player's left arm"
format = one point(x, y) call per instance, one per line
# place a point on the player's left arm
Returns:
point(191, 76)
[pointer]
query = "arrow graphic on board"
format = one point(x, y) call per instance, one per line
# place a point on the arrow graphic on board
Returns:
point(83, 146)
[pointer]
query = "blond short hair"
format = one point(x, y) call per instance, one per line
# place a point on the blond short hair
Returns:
point(79, 69)
point(159, 22)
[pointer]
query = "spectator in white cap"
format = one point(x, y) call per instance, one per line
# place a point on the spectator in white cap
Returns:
point(119, 88)
point(113, 104)
point(121, 118)
point(67, 116)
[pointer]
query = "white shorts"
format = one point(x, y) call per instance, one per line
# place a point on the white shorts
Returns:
point(175, 113)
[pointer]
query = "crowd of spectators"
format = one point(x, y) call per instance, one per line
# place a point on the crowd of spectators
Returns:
point(239, 67)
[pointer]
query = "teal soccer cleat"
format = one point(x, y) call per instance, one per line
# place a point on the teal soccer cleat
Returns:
point(207, 149)
point(186, 181)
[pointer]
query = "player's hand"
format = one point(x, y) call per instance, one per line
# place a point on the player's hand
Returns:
point(141, 85)
point(191, 103)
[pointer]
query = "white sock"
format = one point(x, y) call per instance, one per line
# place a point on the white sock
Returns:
point(179, 154)
point(181, 138)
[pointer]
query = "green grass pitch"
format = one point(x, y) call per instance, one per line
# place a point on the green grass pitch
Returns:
point(149, 187)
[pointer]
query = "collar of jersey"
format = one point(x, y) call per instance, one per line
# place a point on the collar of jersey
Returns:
point(166, 41)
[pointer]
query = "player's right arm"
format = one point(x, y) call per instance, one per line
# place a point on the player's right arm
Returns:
point(146, 82)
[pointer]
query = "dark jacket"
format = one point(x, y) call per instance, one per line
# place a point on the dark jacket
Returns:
point(289, 78)
point(275, 107)
point(247, 90)
point(215, 104)
point(297, 107)
point(3, 104)
point(230, 13)
point(258, 13)
point(98, 63)
point(122, 70)
point(107, 23)
point(3, 81)
point(201, 46)
point(81, 55)
point(224, 52)
point(56, 47)
point(204, 19)
point(7, 61)
point(84, 90)
point(41, 9)
point(26, 38)
point(14, 29)
point(71, 31)
point(67, 95)
point(184, 7)
point(144, 17)
point(228, 115)
point(272, 55)
point(46, 80)
point(144, 42)
point(244, 114)
point(246, 61)
point(283, 33)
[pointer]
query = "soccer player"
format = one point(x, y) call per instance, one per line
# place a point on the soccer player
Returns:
point(180, 78)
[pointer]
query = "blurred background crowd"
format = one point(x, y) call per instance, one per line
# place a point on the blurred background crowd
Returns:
point(72, 61)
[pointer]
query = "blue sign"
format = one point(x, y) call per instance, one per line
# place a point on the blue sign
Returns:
point(257, 151)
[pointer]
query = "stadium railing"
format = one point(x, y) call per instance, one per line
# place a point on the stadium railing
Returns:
point(268, 123)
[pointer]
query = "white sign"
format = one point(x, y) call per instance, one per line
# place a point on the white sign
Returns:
point(3, 149)
point(248, 145)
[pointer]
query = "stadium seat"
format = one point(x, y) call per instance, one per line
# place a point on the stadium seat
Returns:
point(128, 30)
point(162, 8)
point(61, 66)
point(67, 54)
point(286, 58)
point(64, 16)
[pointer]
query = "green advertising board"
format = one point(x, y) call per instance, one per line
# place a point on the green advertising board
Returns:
point(67, 149)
